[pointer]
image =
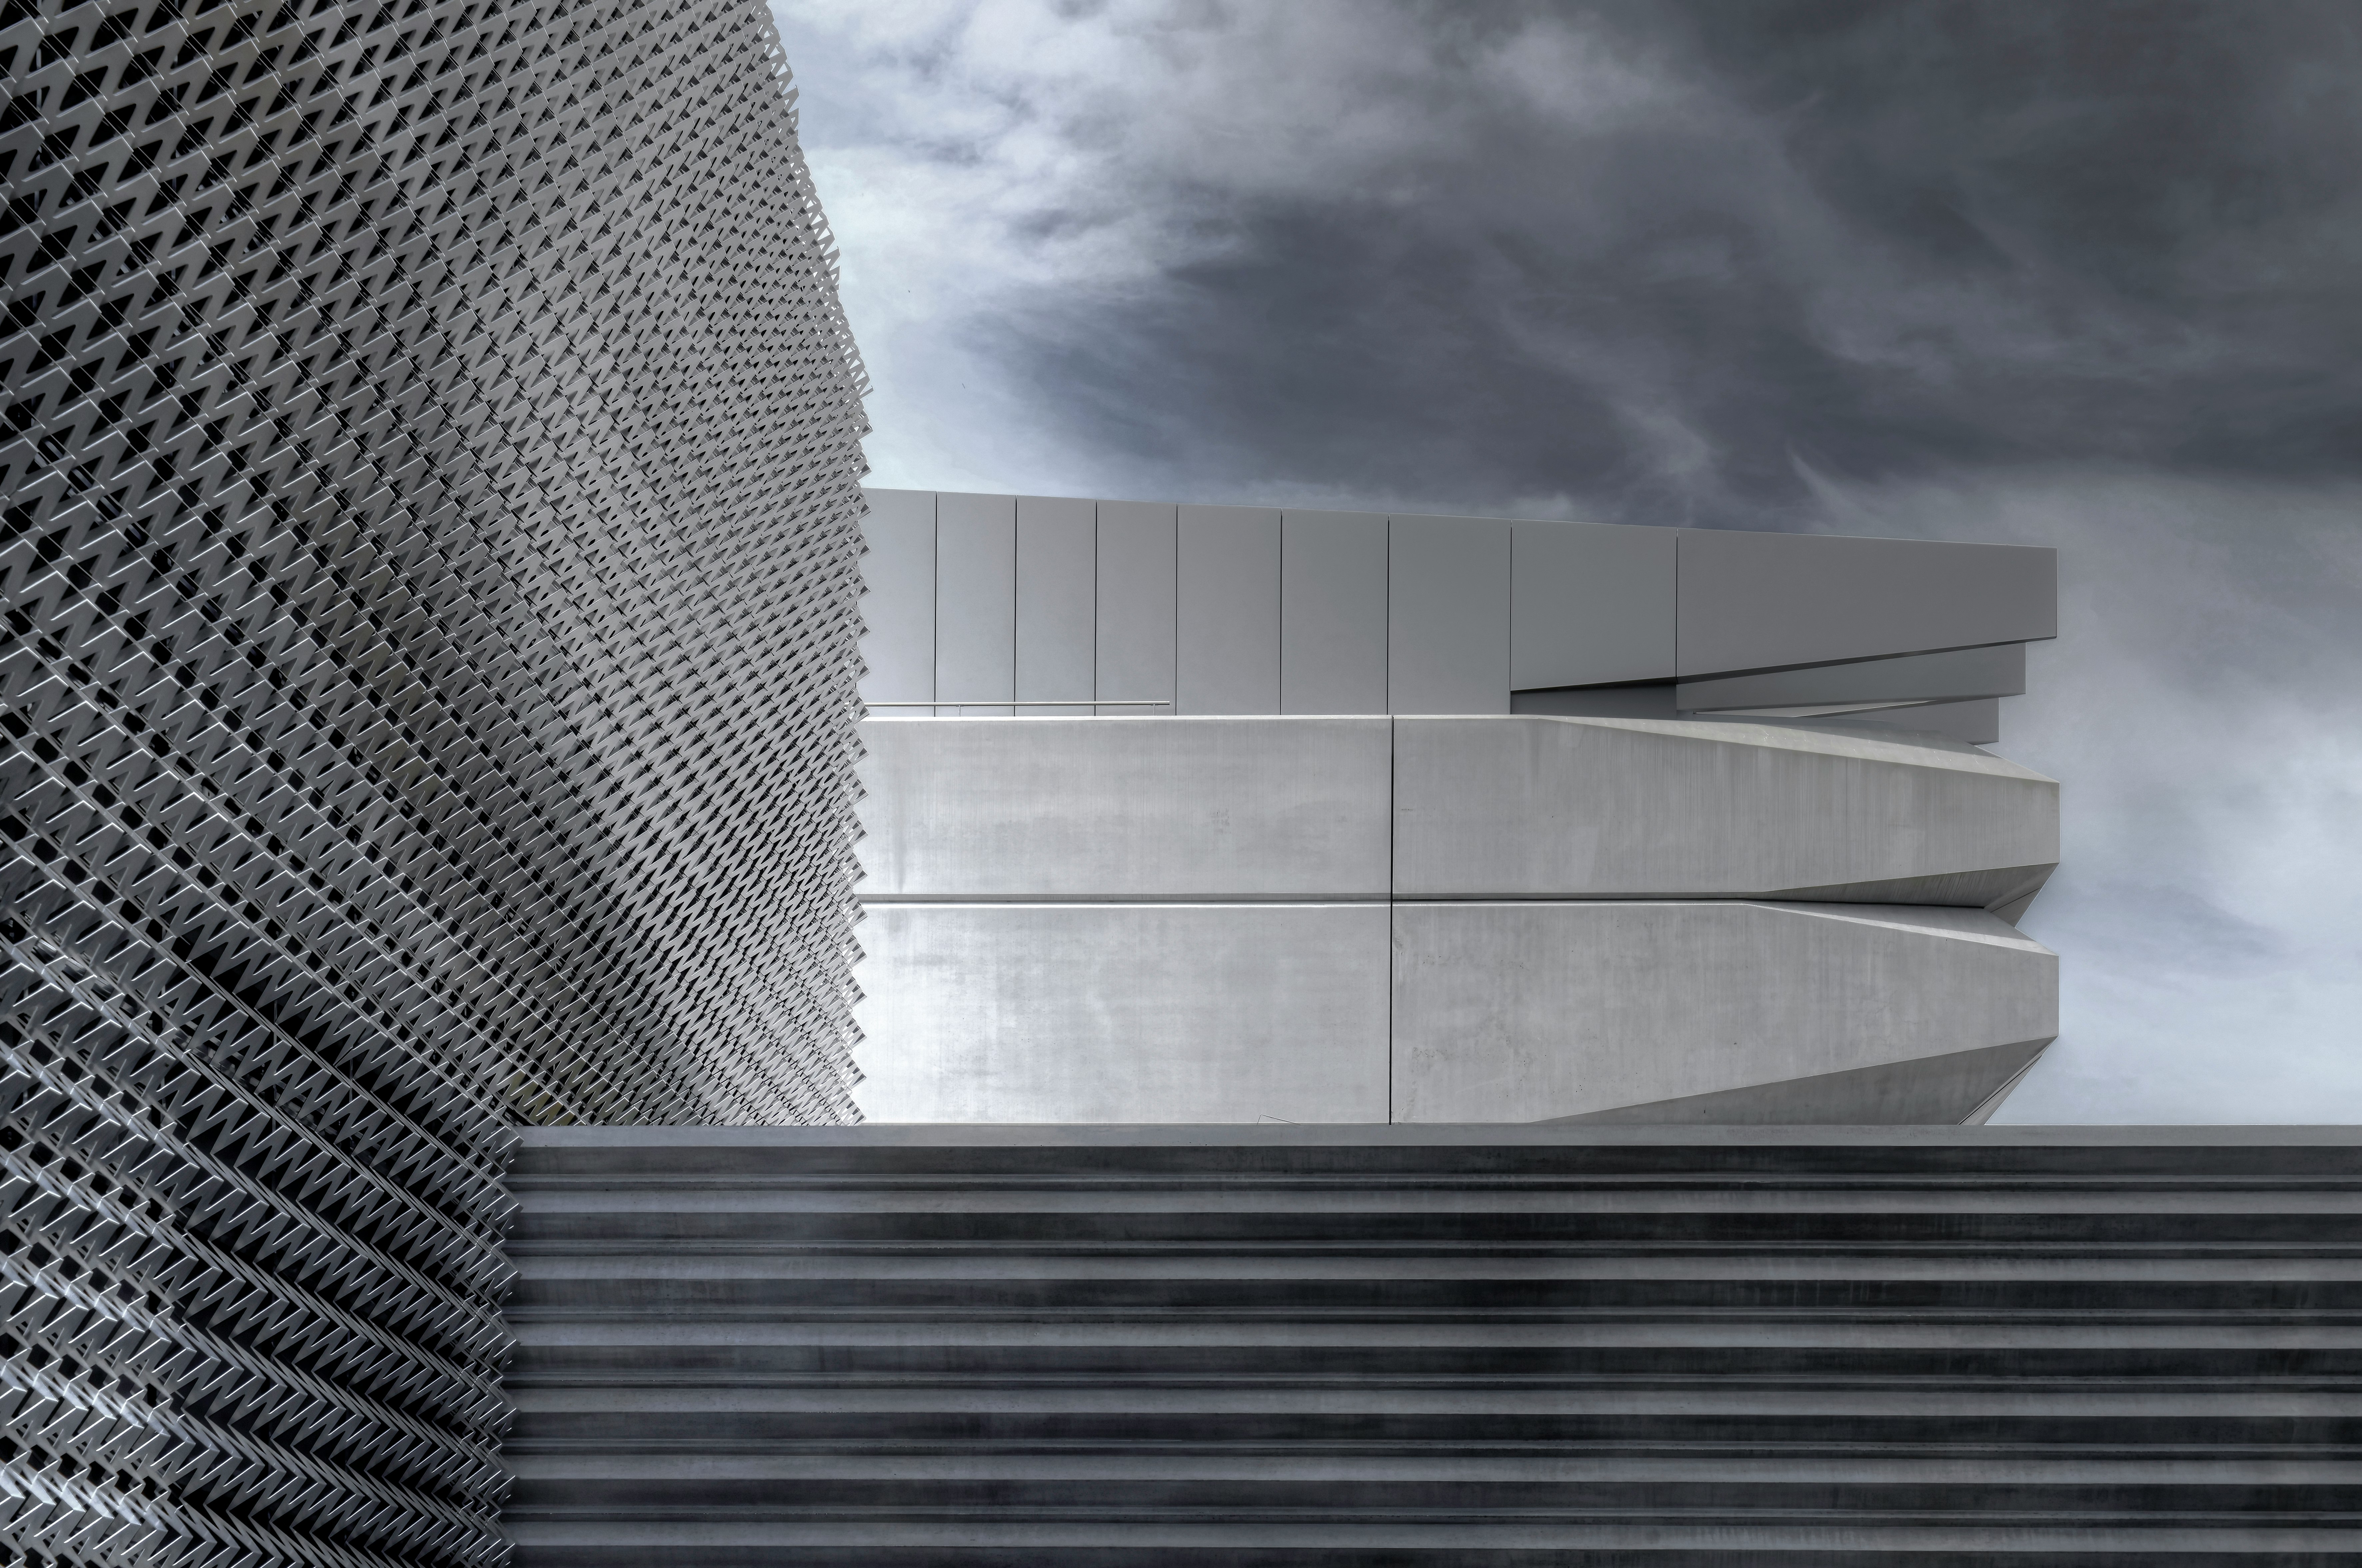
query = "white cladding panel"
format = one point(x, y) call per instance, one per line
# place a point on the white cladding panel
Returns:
point(1228, 604)
point(1135, 610)
point(1448, 615)
point(1333, 620)
point(976, 600)
point(1056, 601)
point(897, 599)
point(1241, 610)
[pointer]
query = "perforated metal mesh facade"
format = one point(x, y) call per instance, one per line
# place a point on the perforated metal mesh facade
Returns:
point(429, 453)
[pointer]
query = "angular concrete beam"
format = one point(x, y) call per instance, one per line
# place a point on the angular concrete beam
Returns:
point(1533, 806)
point(1704, 1012)
point(1957, 1089)
point(1526, 1012)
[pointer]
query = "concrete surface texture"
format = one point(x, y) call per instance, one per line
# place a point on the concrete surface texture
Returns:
point(1125, 1012)
point(1126, 808)
point(1609, 807)
point(1218, 610)
point(1521, 1011)
point(1628, 1347)
point(1503, 917)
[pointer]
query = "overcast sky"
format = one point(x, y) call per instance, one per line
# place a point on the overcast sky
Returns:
point(2082, 274)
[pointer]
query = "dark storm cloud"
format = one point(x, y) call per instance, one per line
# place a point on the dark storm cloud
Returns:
point(1871, 239)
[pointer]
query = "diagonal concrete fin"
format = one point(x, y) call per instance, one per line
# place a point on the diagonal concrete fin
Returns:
point(1950, 1088)
point(2004, 890)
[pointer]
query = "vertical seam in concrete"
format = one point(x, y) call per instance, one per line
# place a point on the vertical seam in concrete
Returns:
point(1095, 603)
point(1393, 826)
point(1176, 708)
point(935, 598)
point(1016, 564)
point(1279, 648)
point(1098, 686)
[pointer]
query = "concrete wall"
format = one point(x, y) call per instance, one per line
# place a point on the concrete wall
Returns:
point(1124, 1012)
point(1138, 808)
point(1522, 1012)
point(1511, 917)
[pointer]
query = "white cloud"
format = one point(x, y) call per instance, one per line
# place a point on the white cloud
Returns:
point(2203, 708)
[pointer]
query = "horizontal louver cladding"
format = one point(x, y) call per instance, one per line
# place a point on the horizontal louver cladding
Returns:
point(1672, 1346)
point(428, 442)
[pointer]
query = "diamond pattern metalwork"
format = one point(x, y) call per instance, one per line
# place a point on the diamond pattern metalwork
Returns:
point(429, 450)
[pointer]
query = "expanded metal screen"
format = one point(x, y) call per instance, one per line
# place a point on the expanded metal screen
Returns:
point(429, 452)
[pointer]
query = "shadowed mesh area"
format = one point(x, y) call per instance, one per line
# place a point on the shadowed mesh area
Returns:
point(428, 440)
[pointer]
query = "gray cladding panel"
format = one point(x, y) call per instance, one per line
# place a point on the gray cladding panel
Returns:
point(1136, 565)
point(898, 600)
point(1448, 615)
point(1126, 808)
point(1056, 600)
point(1123, 1012)
point(1333, 655)
point(1228, 609)
point(975, 598)
point(1752, 601)
point(1590, 604)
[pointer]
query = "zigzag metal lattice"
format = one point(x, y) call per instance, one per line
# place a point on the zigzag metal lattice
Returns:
point(429, 448)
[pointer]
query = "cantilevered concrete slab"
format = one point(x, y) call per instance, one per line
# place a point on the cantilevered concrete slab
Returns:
point(1528, 1011)
point(1530, 807)
point(1503, 917)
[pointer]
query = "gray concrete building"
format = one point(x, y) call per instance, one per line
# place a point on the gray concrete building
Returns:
point(1227, 814)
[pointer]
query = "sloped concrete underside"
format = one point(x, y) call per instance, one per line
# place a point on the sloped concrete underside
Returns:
point(1964, 1087)
point(1428, 1345)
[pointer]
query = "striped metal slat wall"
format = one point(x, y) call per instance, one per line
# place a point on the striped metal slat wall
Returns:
point(1489, 1345)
